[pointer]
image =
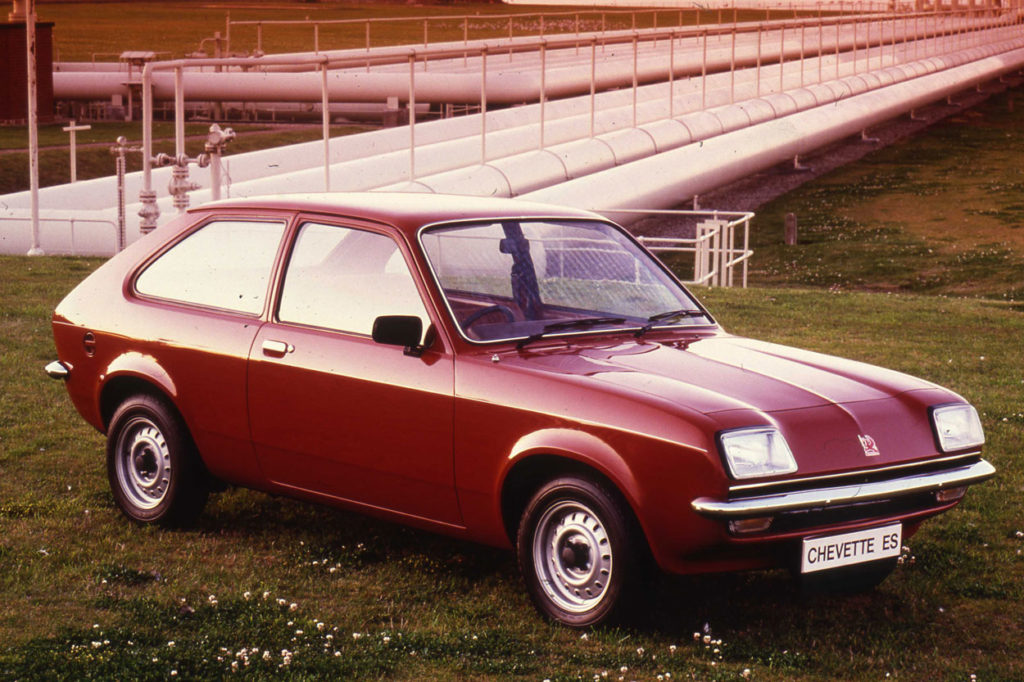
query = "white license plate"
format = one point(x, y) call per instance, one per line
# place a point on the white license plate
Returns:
point(833, 551)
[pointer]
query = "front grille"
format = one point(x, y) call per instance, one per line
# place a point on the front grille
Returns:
point(789, 522)
point(895, 471)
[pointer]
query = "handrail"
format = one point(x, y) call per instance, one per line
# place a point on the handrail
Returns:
point(716, 255)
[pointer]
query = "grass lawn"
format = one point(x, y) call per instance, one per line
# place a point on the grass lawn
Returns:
point(266, 584)
point(82, 31)
point(941, 212)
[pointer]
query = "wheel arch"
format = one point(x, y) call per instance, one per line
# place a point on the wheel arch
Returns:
point(546, 455)
point(132, 374)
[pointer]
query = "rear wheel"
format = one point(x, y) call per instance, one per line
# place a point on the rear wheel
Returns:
point(575, 552)
point(153, 466)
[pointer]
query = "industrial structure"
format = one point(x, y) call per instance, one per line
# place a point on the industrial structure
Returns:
point(609, 119)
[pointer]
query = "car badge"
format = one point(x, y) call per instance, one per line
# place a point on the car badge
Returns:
point(869, 445)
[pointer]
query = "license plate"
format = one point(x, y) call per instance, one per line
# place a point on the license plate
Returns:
point(833, 551)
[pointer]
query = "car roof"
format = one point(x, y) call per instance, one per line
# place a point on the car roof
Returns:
point(406, 210)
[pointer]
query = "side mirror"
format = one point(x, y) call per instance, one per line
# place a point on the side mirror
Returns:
point(400, 330)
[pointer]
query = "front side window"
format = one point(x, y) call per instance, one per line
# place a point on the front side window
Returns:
point(511, 279)
point(224, 264)
point(342, 279)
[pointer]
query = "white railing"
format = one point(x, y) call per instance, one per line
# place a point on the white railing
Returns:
point(716, 255)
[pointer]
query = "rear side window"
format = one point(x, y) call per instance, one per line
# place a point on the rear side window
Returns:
point(224, 264)
point(342, 279)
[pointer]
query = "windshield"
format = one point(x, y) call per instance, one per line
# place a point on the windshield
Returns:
point(523, 279)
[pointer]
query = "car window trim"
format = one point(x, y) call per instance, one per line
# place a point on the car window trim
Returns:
point(352, 223)
point(209, 218)
point(553, 218)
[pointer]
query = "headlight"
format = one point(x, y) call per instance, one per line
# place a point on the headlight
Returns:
point(755, 452)
point(957, 427)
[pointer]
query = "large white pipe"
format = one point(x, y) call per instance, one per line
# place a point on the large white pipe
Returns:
point(673, 177)
point(512, 83)
point(511, 171)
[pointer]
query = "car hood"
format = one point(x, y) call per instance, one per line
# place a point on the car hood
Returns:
point(823, 404)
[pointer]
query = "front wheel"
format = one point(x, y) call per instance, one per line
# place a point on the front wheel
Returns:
point(154, 470)
point(575, 551)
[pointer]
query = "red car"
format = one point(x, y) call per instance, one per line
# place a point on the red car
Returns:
point(516, 374)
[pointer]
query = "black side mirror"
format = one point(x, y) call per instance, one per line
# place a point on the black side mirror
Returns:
point(400, 330)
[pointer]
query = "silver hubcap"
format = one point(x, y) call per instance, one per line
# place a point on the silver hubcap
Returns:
point(143, 463)
point(573, 556)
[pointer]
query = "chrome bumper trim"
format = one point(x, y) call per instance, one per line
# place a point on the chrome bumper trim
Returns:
point(57, 370)
point(804, 500)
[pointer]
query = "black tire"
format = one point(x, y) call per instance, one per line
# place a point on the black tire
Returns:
point(154, 469)
point(575, 551)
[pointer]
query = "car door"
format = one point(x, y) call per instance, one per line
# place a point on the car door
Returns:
point(196, 308)
point(332, 412)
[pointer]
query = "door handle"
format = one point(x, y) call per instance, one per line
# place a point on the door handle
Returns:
point(277, 349)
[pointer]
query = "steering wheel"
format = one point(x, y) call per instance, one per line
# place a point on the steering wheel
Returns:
point(477, 314)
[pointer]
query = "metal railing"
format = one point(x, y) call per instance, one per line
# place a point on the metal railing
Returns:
point(716, 255)
point(883, 32)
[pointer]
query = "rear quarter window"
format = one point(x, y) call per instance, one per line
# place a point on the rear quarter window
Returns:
point(224, 264)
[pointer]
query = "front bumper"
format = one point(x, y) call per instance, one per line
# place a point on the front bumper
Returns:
point(57, 370)
point(826, 493)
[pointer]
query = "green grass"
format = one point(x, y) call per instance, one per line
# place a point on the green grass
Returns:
point(942, 212)
point(84, 594)
point(82, 31)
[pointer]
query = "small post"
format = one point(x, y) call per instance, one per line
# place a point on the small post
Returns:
point(72, 130)
point(33, 125)
point(790, 229)
point(216, 141)
point(119, 151)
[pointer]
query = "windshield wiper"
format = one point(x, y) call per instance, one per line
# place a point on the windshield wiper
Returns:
point(653, 320)
point(568, 324)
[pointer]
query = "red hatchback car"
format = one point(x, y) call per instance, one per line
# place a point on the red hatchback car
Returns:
point(517, 374)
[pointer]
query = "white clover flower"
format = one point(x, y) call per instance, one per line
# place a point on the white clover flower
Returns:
point(266, 595)
point(387, 640)
point(174, 673)
point(281, 602)
point(171, 644)
point(320, 626)
point(247, 595)
point(707, 639)
point(299, 632)
point(337, 654)
point(357, 635)
point(584, 637)
point(639, 651)
point(672, 648)
point(97, 645)
point(293, 607)
point(267, 656)
point(623, 670)
point(745, 674)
